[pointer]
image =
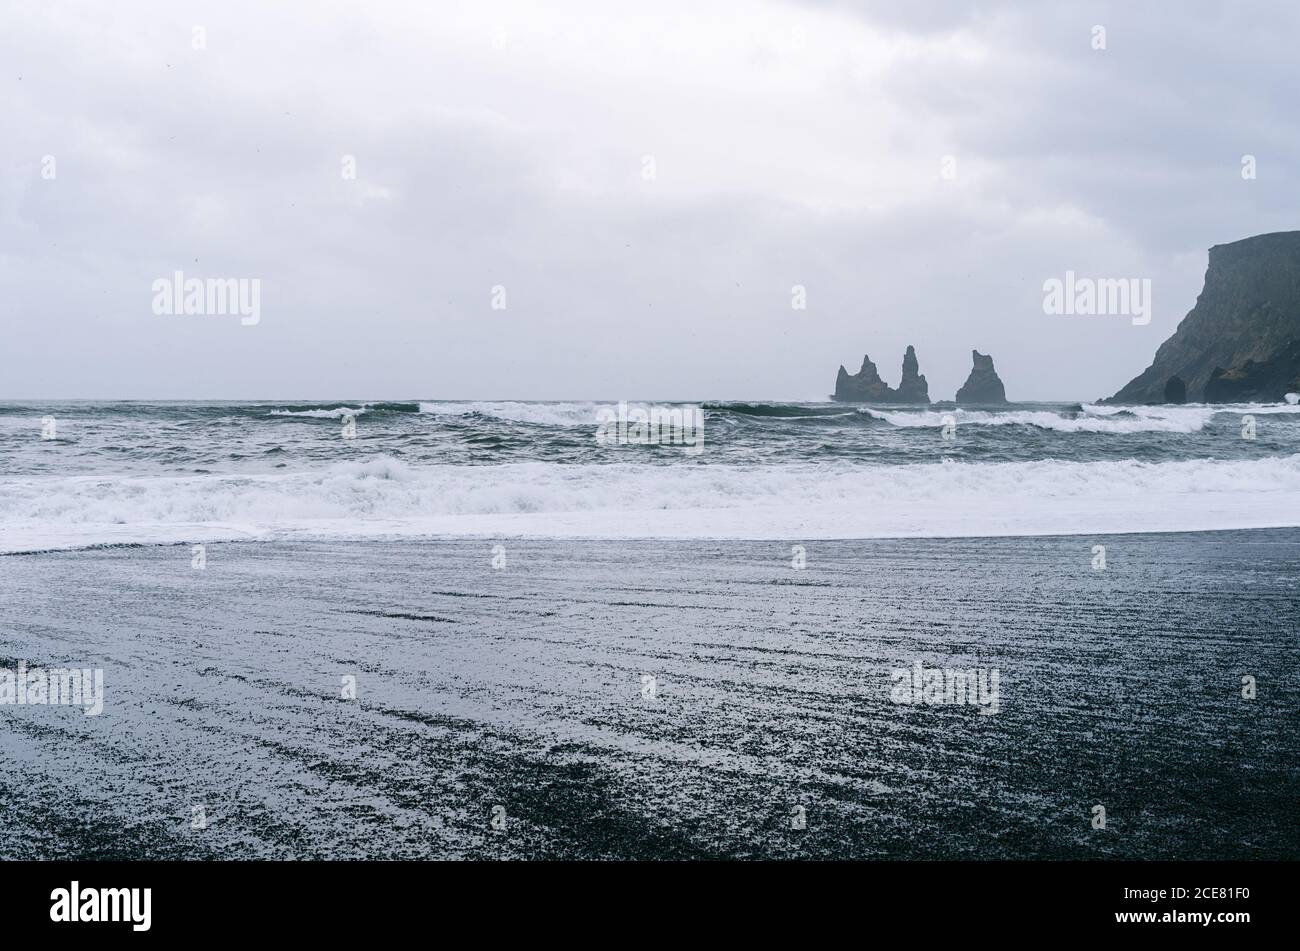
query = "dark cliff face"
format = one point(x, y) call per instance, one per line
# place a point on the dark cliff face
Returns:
point(1267, 381)
point(1242, 339)
point(983, 386)
point(866, 386)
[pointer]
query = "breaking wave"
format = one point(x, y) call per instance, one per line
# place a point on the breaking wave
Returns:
point(385, 497)
point(1093, 419)
point(548, 414)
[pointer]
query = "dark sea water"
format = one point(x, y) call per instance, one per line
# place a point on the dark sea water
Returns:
point(201, 438)
point(522, 687)
point(156, 472)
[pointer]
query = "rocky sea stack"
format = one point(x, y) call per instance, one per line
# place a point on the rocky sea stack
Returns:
point(866, 386)
point(983, 386)
point(912, 388)
point(1241, 342)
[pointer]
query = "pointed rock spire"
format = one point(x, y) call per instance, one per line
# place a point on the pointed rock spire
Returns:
point(866, 386)
point(983, 385)
point(912, 388)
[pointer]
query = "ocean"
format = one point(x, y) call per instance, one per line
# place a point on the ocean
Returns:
point(471, 631)
point(115, 473)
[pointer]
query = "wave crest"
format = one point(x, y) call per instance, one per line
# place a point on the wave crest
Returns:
point(385, 497)
point(545, 414)
point(1104, 419)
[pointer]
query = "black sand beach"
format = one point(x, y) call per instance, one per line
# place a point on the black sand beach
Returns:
point(522, 688)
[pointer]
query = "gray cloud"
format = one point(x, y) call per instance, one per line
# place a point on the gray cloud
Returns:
point(793, 145)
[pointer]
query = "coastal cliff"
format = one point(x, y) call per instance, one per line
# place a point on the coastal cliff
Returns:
point(1241, 341)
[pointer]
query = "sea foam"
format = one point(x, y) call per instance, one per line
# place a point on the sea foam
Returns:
point(383, 497)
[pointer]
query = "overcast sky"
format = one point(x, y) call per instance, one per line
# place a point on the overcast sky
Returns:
point(647, 186)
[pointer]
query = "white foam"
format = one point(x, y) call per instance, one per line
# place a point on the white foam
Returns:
point(337, 413)
point(551, 414)
point(384, 497)
point(1093, 420)
point(1264, 408)
point(1157, 412)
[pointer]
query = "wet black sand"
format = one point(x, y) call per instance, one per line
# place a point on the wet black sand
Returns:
point(522, 688)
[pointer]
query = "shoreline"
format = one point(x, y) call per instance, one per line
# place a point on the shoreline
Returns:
point(308, 539)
